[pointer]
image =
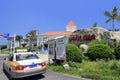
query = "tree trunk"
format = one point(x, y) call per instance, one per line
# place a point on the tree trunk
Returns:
point(113, 24)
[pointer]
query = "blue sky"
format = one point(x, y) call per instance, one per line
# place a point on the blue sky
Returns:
point(21, 16)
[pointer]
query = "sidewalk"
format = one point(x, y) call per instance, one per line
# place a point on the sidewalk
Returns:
point(4, 55)
point(43, 56)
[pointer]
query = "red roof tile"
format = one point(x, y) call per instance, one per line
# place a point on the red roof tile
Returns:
point(71, 24)
point(58, 33)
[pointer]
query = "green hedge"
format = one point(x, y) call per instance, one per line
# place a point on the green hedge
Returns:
point(117, 51)
point(100, 51)
point(3, 47)
point(73, 53)
point(78, 44)
point(94, 42)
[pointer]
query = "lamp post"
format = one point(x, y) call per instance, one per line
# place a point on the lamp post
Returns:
point(11, 51)
point(1, 35)
point(0, 49)
point(14, 42)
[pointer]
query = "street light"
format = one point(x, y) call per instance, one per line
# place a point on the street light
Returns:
point(14, 42)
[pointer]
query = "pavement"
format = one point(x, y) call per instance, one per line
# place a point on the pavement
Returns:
point(1, 55)
point(43, 56)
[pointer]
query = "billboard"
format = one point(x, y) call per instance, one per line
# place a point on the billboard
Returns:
point(51, 49)
point(61, 49)
point(57, 48)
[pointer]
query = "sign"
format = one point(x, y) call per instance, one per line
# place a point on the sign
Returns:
point(61, 49)
point(6, 35)
point(57, 48)
point(51, 49)
point(82, 38)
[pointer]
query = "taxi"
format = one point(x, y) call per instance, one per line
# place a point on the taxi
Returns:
point(19, 65)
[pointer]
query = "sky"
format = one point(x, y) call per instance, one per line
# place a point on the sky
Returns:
point(21, 16)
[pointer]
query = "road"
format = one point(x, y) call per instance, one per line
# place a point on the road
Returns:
point(49, 75)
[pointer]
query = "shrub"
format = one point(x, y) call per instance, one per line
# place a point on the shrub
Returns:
point(100, 51)
point(73, 53)
point(3, 46)
point(74, 64)
point(117, 51)
point(94, 42)
point(24, 44)
point(91, 76)
point(78, 44)
point(115, 65)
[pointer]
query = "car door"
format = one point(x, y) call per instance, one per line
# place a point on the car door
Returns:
point(8, 63)
point(5, 64)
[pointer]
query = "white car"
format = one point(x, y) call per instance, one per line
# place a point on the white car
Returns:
point(23, 64)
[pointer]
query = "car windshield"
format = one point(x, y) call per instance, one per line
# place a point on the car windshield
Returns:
point(20, 57)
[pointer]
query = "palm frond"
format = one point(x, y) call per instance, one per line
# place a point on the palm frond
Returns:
point(108, 14)
point(108, 20)
point(117, 17)
point(114, 10)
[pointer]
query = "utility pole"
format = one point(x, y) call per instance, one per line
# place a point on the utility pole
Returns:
point(0, 49)
point(14, 42)
point(0, 45)
point(11, 47)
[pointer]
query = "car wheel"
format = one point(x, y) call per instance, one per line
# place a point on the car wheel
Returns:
point(10, 75)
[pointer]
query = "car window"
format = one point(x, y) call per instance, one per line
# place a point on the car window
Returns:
point(20, 57)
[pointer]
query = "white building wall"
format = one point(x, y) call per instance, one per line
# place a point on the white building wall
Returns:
point(44, 38)
point(72, 28)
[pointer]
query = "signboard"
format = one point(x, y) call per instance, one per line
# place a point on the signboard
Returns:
point(82, 38)
point(6, 35)
point(51, 49)
point(61, 49)
point(57, 48)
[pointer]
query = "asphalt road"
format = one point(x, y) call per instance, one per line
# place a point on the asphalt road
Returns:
point(49, 75)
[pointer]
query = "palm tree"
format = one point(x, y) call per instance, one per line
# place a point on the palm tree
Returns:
point(19, 38)
point(10, 38)
point(26, 39)
point(33, 33)
point(112, 15)
point(94, 25)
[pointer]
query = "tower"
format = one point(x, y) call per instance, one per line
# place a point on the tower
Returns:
point(70, 26)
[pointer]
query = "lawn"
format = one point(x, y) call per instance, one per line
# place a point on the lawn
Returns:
point(5, 52)
point(99, 70)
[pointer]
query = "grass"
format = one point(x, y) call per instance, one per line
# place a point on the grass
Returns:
point(5, 52)
point(99, 70)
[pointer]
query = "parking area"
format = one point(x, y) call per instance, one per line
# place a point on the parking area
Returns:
point(43, 56)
